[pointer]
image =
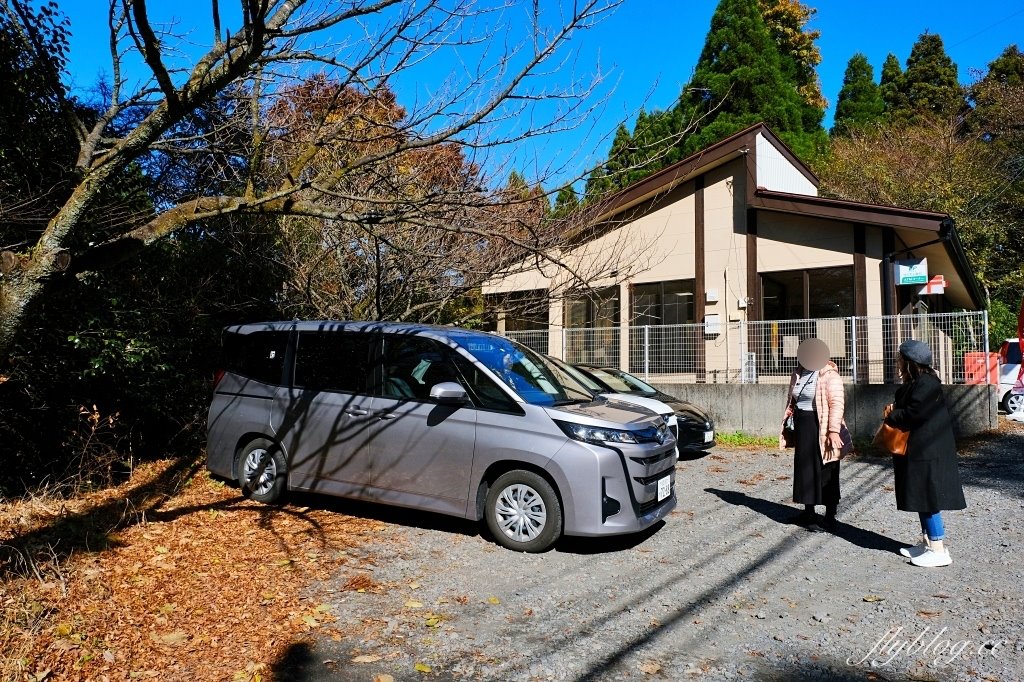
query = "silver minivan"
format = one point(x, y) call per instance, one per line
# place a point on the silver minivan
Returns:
point(436, 418)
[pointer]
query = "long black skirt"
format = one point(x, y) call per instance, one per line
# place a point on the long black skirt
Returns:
point(813, 482)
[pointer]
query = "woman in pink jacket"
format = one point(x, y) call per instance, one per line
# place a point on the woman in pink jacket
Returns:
point(817, 433)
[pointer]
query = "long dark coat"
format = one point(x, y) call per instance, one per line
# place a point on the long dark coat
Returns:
point(927, 478)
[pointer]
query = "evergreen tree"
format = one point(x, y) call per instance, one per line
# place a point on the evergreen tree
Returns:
point(860, 99)
point(598, 184)
point(620, 158)
point(1007, 68)
point(739, 80)
point(566, 202)
point(930, 81)
point(787, 22)
point(891, 87)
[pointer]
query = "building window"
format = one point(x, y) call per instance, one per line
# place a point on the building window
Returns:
point(598, 308)
point(660, 344)
point(664, 303)
point(807, 294)
point(525, 310)
point(592, 327)
point(795, 305)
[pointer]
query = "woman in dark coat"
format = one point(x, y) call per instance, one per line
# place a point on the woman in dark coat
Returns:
point(927, 477)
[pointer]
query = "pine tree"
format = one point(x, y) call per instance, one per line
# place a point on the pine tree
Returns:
point(891, 87)
point(620, 158)
point(566, 202)
point(860, 99)
point(787, 22)
point(930, 81)
point(1007, 68)
point(739, 80)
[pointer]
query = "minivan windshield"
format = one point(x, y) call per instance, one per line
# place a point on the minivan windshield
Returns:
point(532, 376)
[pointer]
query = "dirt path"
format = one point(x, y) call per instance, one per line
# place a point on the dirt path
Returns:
point(725, 588)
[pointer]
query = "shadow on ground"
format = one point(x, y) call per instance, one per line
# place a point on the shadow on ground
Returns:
point(781, 513)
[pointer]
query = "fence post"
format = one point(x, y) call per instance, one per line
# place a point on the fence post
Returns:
point(984, 331)
point(647, 352)
point(565, 347)
point(853, 340)
point(743, 352)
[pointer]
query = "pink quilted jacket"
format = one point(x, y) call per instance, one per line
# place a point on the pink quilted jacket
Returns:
point(829, 401)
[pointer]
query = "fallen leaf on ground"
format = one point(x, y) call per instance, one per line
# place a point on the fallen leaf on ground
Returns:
point(176, 637)
point(649, 668)
point(873, 598)
point(413, 604)
point(493, 600)
point(366, 658)
point(422, 668)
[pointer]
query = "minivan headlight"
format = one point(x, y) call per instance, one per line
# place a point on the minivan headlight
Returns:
point(596, 434)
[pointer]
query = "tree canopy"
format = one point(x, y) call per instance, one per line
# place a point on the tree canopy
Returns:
point(758, 64)
point(255, 65)
point(860, 99)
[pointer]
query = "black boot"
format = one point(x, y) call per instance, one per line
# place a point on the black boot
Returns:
point(806, 517)
point(830, 524)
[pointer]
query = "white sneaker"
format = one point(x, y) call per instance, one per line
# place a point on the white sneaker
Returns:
point(916, 550)
point(932, 559)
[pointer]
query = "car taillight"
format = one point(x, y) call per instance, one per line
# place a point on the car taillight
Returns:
point(217, 376)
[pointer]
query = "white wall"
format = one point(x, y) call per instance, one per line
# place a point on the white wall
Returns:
point(775, 172)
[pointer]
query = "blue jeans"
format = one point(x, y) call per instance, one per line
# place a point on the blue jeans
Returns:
point(931, 525)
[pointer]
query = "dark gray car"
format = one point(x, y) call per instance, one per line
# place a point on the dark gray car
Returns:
point(436, 418)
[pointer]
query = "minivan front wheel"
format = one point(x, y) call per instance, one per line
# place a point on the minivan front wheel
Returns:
point(523, 512)
point(262, 471)
point(1013, 402)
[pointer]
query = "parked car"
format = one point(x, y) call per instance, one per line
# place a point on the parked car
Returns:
point(599, 389)
point(696, 430)
point(1009, 368)
point(439, 419)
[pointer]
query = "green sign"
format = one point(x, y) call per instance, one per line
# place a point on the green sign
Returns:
point(912, 271)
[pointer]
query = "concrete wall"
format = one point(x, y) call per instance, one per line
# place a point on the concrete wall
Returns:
point(756, 409)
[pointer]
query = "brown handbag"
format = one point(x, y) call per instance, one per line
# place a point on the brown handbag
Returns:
point(891, 439)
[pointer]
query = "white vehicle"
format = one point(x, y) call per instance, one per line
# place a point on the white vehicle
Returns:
point(1009, 368)
point(667, 412)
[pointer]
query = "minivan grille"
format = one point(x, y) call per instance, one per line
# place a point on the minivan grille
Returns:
point(647, 480)
point(645, 508)
point(653, 459)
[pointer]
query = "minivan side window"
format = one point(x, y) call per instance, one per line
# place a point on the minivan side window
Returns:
point(331, 360)
point(482, 388)
point(411, 365)
point(259, 355)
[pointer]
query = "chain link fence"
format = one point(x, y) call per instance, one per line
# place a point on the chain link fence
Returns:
point(864, 348)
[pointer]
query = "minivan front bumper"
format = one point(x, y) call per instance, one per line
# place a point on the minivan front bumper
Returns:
point(628, 490)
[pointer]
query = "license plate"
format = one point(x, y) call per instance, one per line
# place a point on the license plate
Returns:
point(664, 487)
point(709, 436)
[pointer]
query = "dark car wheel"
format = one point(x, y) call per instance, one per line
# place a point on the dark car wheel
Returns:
point(262, 471)
point(523, 512)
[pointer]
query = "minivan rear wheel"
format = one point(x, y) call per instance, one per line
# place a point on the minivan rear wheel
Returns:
point(262, 471)
point(1013, 402)
point(523, 512)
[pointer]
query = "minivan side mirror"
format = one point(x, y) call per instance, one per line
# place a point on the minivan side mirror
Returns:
point(449, 393)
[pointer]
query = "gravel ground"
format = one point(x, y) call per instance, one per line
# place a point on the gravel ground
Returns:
point(726, 588)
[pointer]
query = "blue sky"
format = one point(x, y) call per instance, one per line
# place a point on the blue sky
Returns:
point(649, 48)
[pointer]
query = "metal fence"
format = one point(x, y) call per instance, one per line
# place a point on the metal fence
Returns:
point(864, 348)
